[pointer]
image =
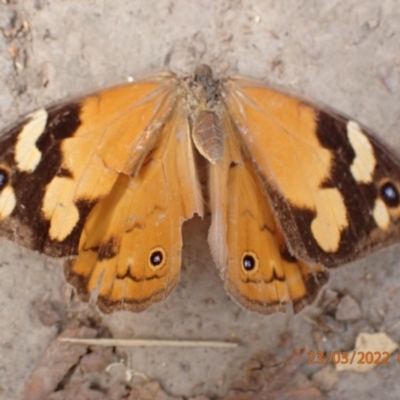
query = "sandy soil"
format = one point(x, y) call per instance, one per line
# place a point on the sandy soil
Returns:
point(344, 53)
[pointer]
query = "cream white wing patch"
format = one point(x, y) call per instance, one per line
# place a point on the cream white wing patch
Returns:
point(8, 200)
point(59, 207)
point(381, 215)
point(364, 163)
point(27, 155)
point(327, 229)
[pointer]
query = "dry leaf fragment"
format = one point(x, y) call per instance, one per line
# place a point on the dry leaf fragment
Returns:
point(371, 349)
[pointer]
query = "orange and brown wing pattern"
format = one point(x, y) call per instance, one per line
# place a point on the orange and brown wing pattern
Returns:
point(334, 188)
point(109, 178)
point(59, 162)
point(246, 241)
point(130, 247)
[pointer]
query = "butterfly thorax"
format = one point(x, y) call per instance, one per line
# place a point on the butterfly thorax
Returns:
point(202, 96)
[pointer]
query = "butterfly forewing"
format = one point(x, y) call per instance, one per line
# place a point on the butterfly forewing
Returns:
point(59, 162)
point(323, 173)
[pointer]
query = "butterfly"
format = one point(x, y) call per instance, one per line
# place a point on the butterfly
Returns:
point(107, 181)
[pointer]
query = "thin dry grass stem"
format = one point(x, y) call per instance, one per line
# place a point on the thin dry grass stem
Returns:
point(150, 343)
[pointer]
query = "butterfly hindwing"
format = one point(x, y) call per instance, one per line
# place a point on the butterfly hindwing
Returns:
point(247, 243)
point(130, 247)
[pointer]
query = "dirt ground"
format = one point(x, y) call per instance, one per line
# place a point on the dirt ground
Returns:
point(344, 53)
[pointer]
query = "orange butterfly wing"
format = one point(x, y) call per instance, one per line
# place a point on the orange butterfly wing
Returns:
point(130, 248)
point(246, 241)
point(332, 185)
point(110, 178)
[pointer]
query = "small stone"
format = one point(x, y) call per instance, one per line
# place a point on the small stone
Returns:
point(326, 378)
point(348, 309)
point(93, 362)
point(329, 301)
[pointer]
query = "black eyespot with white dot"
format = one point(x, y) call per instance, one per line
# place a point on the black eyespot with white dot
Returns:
point(390, 194)
point(157, 258)
point(249, 262)
point(4, 178)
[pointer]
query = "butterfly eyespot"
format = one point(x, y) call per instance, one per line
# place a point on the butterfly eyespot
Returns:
point(157, 258)
point(390, 194)
point(4, 178)
point(249, 262)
